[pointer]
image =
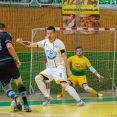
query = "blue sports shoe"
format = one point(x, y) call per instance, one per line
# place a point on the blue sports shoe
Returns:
point(27, 108)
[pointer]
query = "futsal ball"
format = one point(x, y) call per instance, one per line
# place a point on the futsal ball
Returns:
point(13, 105)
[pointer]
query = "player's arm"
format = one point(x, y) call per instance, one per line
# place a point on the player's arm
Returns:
point(66, 62)
point(10, 48)
point(13, 53)
point(26, 43)
point(93, 70)
point(69, 59)
point(63, 53)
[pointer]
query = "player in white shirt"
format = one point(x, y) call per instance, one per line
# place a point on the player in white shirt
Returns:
point(57, 64)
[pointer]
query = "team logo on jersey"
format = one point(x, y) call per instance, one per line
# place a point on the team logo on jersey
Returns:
point(77, 65)
point(51, 54)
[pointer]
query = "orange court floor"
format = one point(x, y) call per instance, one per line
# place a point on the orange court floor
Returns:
point(105, 106)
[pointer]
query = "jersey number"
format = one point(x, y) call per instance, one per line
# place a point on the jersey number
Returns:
point(60, 75)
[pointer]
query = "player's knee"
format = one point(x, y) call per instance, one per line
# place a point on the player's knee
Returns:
point(63, 84)
point(22, 90)
point(38, 79)
point(87, 88)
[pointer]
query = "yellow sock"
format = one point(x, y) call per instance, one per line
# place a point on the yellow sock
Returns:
point(94, 92)
point(63, 91)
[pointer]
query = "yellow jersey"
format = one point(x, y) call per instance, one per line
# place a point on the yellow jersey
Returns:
point(79, 64)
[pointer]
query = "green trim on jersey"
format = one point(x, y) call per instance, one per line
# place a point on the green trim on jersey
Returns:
point(55, 64)
point(54, 60)
point(78, 73)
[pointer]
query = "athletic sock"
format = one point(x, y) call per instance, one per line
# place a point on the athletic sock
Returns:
point(63, 91)
point(11, 94)
point(43, 89)
point(73, 92)
point(22, 92)
point(94, 92)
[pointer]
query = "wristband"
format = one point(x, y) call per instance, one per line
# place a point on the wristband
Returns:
point(98, 75)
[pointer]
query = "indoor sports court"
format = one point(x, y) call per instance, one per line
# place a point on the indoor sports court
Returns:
point(65, 107)
point(93, 26)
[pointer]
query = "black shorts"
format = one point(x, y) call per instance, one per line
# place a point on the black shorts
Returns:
point(8, 71)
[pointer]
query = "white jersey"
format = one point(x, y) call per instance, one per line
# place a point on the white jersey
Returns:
point(53, 52)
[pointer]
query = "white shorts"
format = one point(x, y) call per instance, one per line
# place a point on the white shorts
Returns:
point(58, 74)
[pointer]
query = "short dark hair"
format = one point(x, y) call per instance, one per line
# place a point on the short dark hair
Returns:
point(2, 26)
point(51, 28)
point(79, 47)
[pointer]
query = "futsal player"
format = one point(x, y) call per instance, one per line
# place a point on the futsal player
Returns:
point(79, 64)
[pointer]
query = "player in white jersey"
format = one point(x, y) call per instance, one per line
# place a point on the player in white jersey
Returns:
point(57, 64)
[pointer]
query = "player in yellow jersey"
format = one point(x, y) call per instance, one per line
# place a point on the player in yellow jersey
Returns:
point(79, 64)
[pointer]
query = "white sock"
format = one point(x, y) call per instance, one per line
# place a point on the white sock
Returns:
point(73, 93)
point(41, 85)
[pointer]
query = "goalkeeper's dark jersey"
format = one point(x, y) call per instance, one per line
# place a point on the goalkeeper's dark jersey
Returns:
point(5, 38)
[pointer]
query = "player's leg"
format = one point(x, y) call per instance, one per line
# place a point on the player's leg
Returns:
point(22, 92)
point(73, 93)
point(60, 77)
point(71, 81)
point(83, 83)
point(91, 90)
point(63, 91)
point(41, 85)
point(5, 79)
point(44, 75)
point(21, 88)
point(11, 94)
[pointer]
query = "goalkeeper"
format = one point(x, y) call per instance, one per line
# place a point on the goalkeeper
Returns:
point(79, 64)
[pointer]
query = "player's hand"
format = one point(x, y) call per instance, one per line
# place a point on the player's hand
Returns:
point(18, 63)
point(101, 78)
point(19, 40)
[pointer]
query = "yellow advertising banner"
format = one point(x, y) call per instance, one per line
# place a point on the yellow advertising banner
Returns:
point(82, 6)
point(87, 12)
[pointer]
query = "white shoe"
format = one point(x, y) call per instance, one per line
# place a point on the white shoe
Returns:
point(18, 103)
point(80, 103)
point(46, 100)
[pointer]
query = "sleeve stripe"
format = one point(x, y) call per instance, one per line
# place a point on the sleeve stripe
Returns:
point(7, 41)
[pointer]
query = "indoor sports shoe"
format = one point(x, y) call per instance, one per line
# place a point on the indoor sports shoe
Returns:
point(27, 108)
point(46, 100)
point(100, 95)
point(60, 96)
point(80, 103)
point(18, 103)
